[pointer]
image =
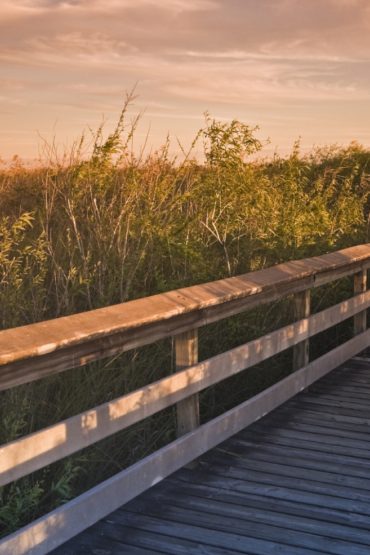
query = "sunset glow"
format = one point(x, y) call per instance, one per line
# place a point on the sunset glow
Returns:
point(296, 68)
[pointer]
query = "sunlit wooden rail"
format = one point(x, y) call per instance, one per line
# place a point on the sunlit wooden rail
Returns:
point(32, 352)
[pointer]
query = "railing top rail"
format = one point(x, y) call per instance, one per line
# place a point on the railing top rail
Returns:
point(74, 340)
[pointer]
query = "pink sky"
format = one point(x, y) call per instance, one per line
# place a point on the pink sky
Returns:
point(293, 67)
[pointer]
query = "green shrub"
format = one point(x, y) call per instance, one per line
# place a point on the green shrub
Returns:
point(92, 232)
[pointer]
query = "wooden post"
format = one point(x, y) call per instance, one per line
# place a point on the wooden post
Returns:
point(359, 286)
point(186, 348)
point(302, 309)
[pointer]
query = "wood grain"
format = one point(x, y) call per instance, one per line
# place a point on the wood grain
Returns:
point(302, 309)
point(187, 410)
point(359, 286)
point(42, 349)
point(44, 447)
point(46, 533)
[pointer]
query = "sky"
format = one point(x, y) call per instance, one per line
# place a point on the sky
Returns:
point(295, 68)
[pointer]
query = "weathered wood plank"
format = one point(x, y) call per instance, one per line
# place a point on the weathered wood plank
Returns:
point(299, 450)
point(362, 448)
point(206, 533)
point(340, 408)
point(301, 440)
point(323, 477)
point(347, 378)
point(344, 396)
point(337, 523)
point(359, 363)
point(168, 543)
point(330, 418)
point(63, 523)
point(219, 516)
point(271, 454)
point(334, 401)
point(32, 452)
point(342, 391)
point(97, 542)
point(357, 511)
point(359, 286)
point(38, 350)
point(222, 466)
point(357, 380)
point(302, 309)
point(295, 419)
point(330, 421)
point(187, 410)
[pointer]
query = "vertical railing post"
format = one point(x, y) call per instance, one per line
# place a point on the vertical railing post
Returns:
point(186, 350)
point(359, 286)
point(302, 309)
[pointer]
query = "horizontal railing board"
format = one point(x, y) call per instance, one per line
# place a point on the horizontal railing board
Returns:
point(31, 352)
point(324, 278)
point(25, 371)
point(50, 531)
point(39, 449)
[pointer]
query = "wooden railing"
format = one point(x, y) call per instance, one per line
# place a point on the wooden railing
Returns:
point(32, 352)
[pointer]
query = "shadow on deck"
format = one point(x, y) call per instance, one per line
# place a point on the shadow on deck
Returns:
point(297, 482)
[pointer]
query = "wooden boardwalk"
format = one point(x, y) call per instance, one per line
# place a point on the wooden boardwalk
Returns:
point(282, 472)
point(296, 482)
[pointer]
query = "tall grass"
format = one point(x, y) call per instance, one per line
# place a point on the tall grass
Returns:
point(83, 233)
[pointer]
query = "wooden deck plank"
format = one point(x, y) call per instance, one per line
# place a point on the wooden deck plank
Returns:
point(299, 461)
point(206, 528)
point(350, 373)
point(312, 424)
point(291, 439)
point(330, 408)
point(338, 445)
point(341, 437)
point(342, 392)
point(345, 376)
point(309, 449)
point(104, 541)
point(105, 546)
point(360, 500)
point(281, 508)
point(357, 381)
point(316, 427)
point(227, 519)
point(328, 401)
point(296, 482)
point(304, 502)
point(287, 469)
point(354, 365)
point(263, 524)
point(326, 421)
point(321, 498)
point(298, 452)
point(165, 543)
point(331, 416)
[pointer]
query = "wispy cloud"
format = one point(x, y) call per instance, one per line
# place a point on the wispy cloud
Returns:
point(240, 58)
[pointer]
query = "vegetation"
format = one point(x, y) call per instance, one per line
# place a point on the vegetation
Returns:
point(81, 233)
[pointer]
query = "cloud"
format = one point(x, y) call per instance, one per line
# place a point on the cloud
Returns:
point(234, 57)
point(22, 8)
point(282, 27)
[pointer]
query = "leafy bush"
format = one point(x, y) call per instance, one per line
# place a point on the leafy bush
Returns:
point(87, 233)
